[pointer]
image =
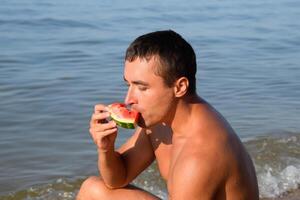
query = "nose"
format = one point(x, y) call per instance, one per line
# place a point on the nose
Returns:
point(130, 97)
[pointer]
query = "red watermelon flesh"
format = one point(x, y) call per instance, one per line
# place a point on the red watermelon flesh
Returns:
point(123, 116)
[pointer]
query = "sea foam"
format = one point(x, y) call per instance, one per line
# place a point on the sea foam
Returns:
point(272, 184)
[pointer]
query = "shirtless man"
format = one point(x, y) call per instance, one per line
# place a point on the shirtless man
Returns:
point(197, 152)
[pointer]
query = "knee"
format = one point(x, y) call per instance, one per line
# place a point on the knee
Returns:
point(92, 188)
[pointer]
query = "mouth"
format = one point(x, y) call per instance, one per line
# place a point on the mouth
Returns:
point(141, 120)
point(134, 108)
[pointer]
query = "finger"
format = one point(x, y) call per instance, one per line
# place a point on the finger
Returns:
point(109, 131)
point(109, 125)
point(99, 108)
point(96, 118)
point(103, 127)
point(98, 135)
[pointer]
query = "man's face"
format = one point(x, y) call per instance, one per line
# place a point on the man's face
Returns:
point(147, 92)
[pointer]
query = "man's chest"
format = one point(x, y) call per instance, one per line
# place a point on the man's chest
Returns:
point(163, 158)
point(166, 150)
point(166, 157)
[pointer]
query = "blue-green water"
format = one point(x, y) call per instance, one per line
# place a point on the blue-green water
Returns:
point(59, 58)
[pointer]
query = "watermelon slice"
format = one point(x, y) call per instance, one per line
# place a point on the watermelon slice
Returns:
point(123, 116)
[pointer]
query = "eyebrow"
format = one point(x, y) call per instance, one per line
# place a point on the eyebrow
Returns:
point(137, 82)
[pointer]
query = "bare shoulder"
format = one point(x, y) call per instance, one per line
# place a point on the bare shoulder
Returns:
point(212, 163)
point(240, 180)
point(196, 174)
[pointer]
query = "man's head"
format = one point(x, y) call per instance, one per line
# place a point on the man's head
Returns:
point(159, 70)
point(175, 56)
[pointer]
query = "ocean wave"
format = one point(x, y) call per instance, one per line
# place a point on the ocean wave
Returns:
point(272, 184)
point(276, 159)
point(61, 188)
point(277, 162)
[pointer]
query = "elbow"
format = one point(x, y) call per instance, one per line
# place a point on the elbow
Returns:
point(113, 186)
point(115, 182)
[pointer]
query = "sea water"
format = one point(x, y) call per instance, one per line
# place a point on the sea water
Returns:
point(60, 58)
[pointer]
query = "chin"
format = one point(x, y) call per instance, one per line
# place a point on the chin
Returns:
point(145, 124)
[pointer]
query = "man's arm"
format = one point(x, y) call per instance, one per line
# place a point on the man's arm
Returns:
point(119, 168)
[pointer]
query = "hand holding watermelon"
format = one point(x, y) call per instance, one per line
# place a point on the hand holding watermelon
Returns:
point(103, 132)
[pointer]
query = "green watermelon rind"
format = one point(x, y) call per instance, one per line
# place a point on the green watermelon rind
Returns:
point(129, 124)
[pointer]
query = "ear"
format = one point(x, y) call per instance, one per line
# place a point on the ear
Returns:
point(181, 86)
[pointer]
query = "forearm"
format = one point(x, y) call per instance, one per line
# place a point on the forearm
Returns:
point(112, 168)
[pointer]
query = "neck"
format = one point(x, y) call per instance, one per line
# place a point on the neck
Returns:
point(181, 117)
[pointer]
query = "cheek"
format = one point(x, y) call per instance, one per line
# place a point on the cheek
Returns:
point(155, 99)
point(158, 104)
point(148, 104)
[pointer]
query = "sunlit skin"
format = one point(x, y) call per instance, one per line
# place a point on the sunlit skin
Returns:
point(197, 152)
point(147, 92)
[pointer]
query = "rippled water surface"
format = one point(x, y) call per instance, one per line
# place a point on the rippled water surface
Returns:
point(59, 58)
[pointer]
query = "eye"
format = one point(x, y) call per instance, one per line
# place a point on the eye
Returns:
point(142, 88)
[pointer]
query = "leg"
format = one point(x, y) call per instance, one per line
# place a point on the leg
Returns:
point(93, 188)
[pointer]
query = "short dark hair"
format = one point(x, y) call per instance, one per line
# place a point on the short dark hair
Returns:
point(176, 56)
